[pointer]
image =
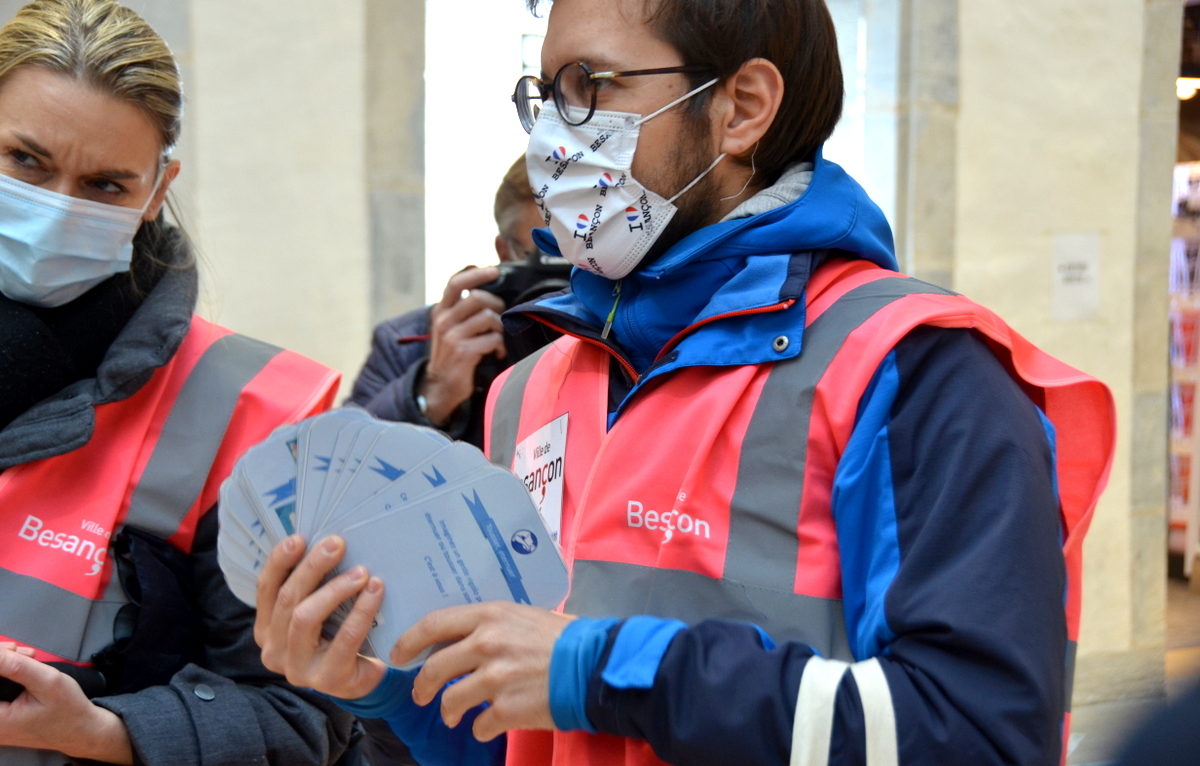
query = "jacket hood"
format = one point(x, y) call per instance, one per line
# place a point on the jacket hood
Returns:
point(732, 267)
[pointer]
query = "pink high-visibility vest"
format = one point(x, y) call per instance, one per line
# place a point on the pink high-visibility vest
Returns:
point(706, 500)
point(155, 461)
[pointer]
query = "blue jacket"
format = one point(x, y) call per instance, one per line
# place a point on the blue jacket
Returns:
point(948, 476)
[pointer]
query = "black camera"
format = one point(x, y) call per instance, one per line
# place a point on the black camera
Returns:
point(522, 281)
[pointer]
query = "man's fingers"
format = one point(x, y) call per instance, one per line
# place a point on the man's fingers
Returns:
point(344, 673)
point(447, 663)
point(354, 629)
point(308, 574)
point(478, 302)
point(472, 350)
point(279, 564)
point(489, 725)
point(467, 279)
point(303, 580)
point(459, 697)
point(438, 627)
point(310, 615)
point(479, 323)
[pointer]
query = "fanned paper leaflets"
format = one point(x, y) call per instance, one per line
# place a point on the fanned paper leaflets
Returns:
point(431, 517)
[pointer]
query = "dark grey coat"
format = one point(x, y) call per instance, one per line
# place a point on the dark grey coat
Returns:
point(226, 708)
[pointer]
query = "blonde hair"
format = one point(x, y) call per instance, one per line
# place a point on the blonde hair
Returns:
point(104, 45)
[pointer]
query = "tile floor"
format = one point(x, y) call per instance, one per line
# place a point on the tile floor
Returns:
point(1099, 730)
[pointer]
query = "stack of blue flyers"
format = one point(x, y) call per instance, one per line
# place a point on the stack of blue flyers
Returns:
point(431, 517)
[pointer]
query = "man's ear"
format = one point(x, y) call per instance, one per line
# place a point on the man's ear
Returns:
point(502, 250)
point(160, 196)
point(746, 105)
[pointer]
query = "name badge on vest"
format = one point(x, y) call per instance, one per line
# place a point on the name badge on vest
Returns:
point(538, 462)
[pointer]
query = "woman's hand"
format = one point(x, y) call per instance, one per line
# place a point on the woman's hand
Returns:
point(54, 714)
point(292, 609)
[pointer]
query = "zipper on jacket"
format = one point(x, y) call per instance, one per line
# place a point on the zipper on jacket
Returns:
point(595, 341)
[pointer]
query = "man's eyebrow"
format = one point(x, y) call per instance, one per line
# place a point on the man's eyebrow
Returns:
point(593, 63)
point(603, 65)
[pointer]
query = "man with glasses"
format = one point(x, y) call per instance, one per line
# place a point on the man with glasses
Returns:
point(814, 511)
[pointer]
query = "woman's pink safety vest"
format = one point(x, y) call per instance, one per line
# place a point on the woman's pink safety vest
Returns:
point(707, 500)
point(155, 461)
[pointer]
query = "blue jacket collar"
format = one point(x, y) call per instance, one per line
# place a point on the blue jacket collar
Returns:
point(732, 282)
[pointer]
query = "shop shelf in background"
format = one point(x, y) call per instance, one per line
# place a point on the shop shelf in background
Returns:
point(1185, 342)
point(1185, 262)
point(1183, 404)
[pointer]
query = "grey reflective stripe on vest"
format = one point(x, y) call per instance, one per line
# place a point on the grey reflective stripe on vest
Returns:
point(1072, 650)
point(51, 617)
point(760, 564)
point(613, 589)
point(15, 756)
point(763, 546)
point(194, 431)
point(506, 415)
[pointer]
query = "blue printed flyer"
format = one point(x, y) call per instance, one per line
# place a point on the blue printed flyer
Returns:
point(438, 523)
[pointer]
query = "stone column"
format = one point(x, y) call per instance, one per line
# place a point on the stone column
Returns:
point(926, 131)
point(277, 113)
point(395, 122)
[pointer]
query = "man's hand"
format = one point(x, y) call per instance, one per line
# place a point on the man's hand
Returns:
point(465, 327)
point(501, 650)
point(291, 609)
point(54, 714)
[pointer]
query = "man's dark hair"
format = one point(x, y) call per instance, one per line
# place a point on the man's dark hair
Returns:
point(796, 35)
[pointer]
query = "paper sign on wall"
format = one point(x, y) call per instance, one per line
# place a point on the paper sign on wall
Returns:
point(1076, 263)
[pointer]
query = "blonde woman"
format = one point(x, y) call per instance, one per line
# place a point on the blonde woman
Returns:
point(120, 414)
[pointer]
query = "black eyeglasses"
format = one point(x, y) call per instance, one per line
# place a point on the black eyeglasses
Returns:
point(574, 88)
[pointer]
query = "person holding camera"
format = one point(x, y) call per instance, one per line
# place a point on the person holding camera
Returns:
point(432, 366)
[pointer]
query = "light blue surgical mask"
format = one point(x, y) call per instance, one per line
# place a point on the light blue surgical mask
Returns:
point(54, 248)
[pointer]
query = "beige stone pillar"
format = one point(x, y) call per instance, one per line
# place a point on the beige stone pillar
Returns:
point(395, 124)
point(277, 114)
point(927, 134)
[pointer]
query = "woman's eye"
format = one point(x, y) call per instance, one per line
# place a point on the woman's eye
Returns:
point(24, 159)
point(108, 187)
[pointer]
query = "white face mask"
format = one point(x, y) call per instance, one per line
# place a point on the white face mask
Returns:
point(54, 248)
point(603, 220)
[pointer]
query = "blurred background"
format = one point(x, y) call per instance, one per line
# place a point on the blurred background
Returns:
point(340, 160)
